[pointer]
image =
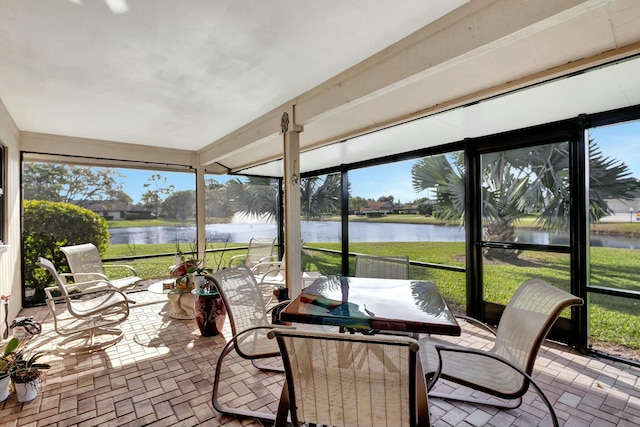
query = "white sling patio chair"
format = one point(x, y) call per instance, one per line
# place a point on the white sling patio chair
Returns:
point(260, 251)
point(394, 267)
point(249, 323)
point(89, 319)
point(505, 370)
point(351, 380)
point(86, 267)
point(271, 275)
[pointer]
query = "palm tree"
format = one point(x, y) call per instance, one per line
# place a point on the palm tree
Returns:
point(258, 196)
point(319, 196)
point(516, 182)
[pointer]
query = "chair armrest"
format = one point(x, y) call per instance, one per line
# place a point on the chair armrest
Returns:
point(74, 275)
point(477, 323)
point(266, 259)
point(89, 285)
point(128, 267)
point(235, 257)
point(440, 348)
point(265, 277)
point(280, 304)
point(272, 265)
point(236, 342)
point(70, 288)
point(82, 294)
point(453, 348)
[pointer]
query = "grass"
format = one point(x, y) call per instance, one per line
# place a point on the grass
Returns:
point(158, 267)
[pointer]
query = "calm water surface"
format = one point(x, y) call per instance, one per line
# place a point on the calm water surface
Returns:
point(329, 231)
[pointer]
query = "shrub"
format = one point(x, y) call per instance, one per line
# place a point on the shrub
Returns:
point(425, 209)
point(47, 227)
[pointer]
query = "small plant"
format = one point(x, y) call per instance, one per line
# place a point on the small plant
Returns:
point(22, 367)
point(4, 366)
point(186, 269)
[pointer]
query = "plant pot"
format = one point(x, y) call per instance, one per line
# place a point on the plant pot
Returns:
point(28, 391)
point(5, 383)
point(210, 312)
point(199, 282)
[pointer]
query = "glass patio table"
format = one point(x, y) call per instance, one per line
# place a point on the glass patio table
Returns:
point(366, 304)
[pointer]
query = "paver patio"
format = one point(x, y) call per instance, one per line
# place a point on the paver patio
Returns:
point(161, 374)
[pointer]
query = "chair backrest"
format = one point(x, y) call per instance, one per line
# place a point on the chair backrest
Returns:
point(396, 267)
point(260, 250)
point(60, 282)
point(84, 258)
point(245, 306)
point(341, 379)
point(527, 319)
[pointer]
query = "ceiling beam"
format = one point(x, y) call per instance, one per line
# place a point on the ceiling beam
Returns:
point(87, 151)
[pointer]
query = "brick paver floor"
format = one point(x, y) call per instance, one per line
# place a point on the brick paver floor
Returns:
point(161, 374)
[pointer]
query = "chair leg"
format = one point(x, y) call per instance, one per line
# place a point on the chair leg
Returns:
point(422, 399)
point(265, 367)
point(89, 340)
point(283, 407)
point(513, 405)
point(227, 409)
point(516, 404)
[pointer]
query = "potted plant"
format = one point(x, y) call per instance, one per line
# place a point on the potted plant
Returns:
point(25, 370)
point(5, 378)
point(187, 272)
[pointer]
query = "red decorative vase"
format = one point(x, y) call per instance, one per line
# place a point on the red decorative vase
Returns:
point(210, 312)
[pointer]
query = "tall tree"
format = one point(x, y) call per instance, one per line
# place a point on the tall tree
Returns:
point(357, 203)
point(216, 199)
point(180, 205)
point(157, 186)
point(80, 185)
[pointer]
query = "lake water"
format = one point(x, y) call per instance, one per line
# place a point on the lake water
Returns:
point(329, 231)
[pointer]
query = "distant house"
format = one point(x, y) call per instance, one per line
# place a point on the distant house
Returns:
point(624, 210)
point(116, 210)
point(405, 209)
point(378, 208)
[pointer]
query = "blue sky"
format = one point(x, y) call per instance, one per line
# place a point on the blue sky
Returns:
point(364, 182)
point(621, 142)
point(616, 141)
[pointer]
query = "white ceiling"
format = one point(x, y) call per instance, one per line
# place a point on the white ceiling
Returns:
point(182, 74)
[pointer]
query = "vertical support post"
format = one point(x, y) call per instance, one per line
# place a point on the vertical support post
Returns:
point(579, 231)
point(292, 227)
point(344, 218)
point(473, 232)
point(280, 218)
point(201, 216)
